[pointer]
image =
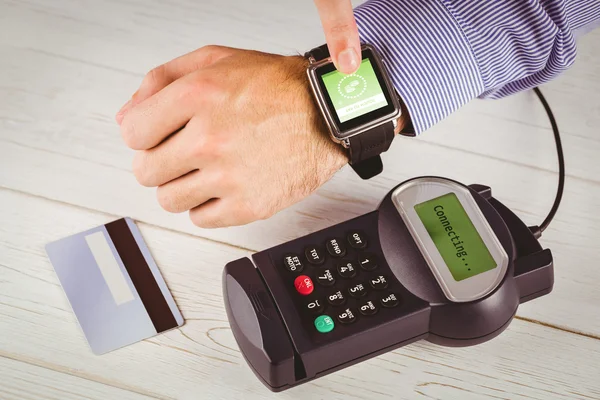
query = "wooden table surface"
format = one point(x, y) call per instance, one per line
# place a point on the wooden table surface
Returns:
point(66, 66)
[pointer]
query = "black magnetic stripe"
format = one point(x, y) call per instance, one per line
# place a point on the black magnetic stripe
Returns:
point(154, 301)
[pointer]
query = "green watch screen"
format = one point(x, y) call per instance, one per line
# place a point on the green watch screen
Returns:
point(455, 236)
point(355, 94)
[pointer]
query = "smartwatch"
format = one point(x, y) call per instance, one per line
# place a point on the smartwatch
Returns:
point(361, 109)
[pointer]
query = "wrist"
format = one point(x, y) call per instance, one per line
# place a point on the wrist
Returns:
point(403, 123)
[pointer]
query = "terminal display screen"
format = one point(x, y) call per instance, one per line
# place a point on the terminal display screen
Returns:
point(455, 236)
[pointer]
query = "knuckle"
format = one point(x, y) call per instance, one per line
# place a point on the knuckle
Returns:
point(214, 147)
point(209, 48)
point(201, 87)
point(228, 181)
point(168, 200)
point(130, 135)
point(198, 148)
point(210, 145)
point(340, 28)
point(154, 76)
point(140, 169)
point(211, 53)
point(249, 211)
point(202, 221)
point(196, 220)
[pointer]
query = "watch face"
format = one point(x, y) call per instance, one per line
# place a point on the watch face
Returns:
point(357, 99)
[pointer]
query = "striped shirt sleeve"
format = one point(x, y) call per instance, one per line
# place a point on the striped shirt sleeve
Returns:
point(443, 53)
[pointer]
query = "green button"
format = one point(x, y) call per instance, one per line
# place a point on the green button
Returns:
point(324, 323)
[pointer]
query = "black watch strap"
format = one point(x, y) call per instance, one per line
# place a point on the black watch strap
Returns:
point(364, 149)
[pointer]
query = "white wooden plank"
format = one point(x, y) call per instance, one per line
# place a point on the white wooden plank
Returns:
point(22, 381)
point(201, 360)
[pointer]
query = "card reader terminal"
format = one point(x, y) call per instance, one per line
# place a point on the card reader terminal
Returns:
point(437, 260)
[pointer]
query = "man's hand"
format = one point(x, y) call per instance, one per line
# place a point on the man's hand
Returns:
point(231, 135)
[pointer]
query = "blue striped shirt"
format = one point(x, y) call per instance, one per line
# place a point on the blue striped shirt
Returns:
point(443, 53)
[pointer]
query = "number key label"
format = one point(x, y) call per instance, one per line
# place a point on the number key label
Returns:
point(368, 261)
point(379, 283)
point(357, 288)
point(346, 316)
point(326, 279)
point(369, 306)
point(347, 270)
point(391, 297)
point(336, 298)
point(390, 301)
point(314, 304)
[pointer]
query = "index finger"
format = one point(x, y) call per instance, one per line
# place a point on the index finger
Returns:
point(341, 33)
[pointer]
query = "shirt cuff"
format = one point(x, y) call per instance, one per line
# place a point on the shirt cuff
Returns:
point(429, 59)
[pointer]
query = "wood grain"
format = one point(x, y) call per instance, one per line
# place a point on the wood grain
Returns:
point(573, 237)
point(58, 140)
point(68, 65)
point(201, 359)
point(22, 381)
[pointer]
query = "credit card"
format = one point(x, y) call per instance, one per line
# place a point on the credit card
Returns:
point(113, 285)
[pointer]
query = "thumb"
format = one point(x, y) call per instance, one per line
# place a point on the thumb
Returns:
point(341, 33)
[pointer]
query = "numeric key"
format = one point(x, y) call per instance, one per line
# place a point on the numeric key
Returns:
point(389, 300)
point(347, 269)
point(325, 277)
point(347, 316)
point(379, 282)
point(357, 290)
point(367, 261)
point(315, 306)
point(367, 308)
point(336, 298)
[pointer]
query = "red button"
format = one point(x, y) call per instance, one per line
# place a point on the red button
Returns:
point(304, 285)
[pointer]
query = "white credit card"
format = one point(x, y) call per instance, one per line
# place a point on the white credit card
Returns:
point(113, 285)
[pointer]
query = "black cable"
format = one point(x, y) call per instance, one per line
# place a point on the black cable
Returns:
point(561, 167)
